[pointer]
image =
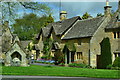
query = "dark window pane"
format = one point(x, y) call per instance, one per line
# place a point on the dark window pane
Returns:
point(118, 33)
point(118, 54)
point(114, 35)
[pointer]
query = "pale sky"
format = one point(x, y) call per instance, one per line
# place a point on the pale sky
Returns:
point(75, 0)
point(60, 0)
point(79, 8)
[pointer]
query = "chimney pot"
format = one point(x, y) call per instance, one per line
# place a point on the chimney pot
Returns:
point(63, 15)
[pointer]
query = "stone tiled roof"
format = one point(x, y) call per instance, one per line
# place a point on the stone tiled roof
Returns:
point(24, 44)
point(84, 28)
point(46, 30)
point(66, 24)
point(59, 27)
point(113, 24)
point(14, 36)
point(39, 46)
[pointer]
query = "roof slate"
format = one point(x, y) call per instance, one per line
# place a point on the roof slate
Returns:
point(59, 27)
point(24, 44)
point(84, 28)
point(113, 22)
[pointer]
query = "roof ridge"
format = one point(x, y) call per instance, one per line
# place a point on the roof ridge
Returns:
point(91, 18)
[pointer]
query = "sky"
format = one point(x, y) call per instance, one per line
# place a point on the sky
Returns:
point(79, 8)
point(59, 0)
point(75, 0)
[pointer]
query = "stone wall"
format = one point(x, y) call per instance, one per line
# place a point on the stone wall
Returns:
point(114, 43)
point(15, 48)
point(95, 41)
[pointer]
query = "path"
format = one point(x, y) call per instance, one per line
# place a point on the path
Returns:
point(6, 77)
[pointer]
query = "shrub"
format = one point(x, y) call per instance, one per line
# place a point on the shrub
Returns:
point(115, 68)
point(61, 64)
point(59, 57)
point(106, 57)
point(79, 65)
point(109, 66)
point(116, 62)
point(44, 57)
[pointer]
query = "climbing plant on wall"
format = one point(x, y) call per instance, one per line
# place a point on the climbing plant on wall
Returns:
point(106, 57)
point(47, 47)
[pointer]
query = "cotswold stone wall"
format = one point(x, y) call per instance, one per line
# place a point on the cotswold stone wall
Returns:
point(95, 41)
point(15, 48)
point(81, 45)
point(114, 43)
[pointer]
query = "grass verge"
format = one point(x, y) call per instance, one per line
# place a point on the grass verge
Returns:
point(35, 70)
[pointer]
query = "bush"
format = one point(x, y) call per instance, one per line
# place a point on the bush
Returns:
point(116, 62)
point(61, 64)
point(106, 57)
point(44, 57)
point(115, 68)
point(79, 65)
point(109, 66)
point(59, 57)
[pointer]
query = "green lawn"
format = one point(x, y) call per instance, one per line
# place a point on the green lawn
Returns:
point(60, 71)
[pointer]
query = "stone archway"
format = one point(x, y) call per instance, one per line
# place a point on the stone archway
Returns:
point(16, 59)
point(16, 54)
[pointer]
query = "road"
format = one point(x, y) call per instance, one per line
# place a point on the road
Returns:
point(4, 77)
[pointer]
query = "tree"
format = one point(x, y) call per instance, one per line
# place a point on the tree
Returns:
point(10, 9)
point(99, 15)
point(86, 16)
point(30, 25)
point(47, 48)
point(106, 57)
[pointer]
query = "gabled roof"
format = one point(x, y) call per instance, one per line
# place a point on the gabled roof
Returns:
point(66, 24)
point(114, 23)
point(84, 28)
point(59, 27)
point(19, 44)
point(46, 30)
point(24, 44)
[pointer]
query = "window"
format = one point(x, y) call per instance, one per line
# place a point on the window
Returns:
point(116, 35)
point(79, 55)
point(117, 55)
point(118, 17)
point(79, 42)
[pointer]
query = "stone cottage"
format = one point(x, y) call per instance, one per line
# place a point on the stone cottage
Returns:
point(12, 51)
point(84, 35)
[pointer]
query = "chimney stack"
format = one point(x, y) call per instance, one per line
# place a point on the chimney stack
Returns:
point(63, 15)
point(107, 9)
point(119, 5)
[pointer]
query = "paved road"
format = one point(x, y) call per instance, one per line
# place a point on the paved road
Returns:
point(49, 78)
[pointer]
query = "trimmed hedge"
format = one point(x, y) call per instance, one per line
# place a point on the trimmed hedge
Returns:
point(80, 65)
point(106, 57)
